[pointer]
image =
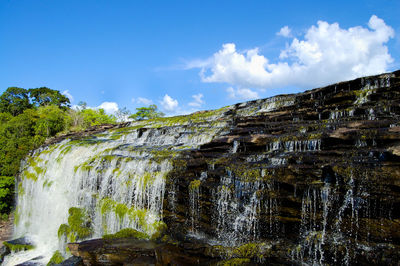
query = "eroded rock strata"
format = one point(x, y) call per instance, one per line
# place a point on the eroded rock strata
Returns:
point(305, 178)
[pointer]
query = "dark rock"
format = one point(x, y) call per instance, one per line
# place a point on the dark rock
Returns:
point(4, 251)
point(18, 244)
point(87, 132)
point(32, 262)
point(311, 178)
point(20, 241)
point(72, 261)
point(131, 251)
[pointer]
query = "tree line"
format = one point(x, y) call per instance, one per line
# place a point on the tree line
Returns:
point(29, 116)
point(27, 119)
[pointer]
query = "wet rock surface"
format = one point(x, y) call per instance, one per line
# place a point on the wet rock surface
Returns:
point(15, 245)
point(6, 229)
point(32, 262)
point(138, 252)
point(306, 178)
point(85, 133)
point(318, 170)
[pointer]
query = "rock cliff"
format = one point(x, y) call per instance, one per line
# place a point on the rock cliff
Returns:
point(309, 178)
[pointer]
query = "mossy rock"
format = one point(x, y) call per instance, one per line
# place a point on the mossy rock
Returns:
point(57, 258)
point(194, 185)
point(17, 247)
point(159, 230)
point(78, 226)
point(19, 244)
point(234, 262)
point(127, 233)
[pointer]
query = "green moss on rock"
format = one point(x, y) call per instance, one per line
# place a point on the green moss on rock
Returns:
point(194, 185)
point(121, 210)
point(248, 250)
point(57, 258)
point(106, 205)
point(234, 262)
point(78, 220)
point(78, 227)
point(159, 228)
point(47, 183)
point(63, 230)
point(251, 251)
point(30, 175)
point(127, 233)
point(17, 247)
point(139, 215)
point(245, 173)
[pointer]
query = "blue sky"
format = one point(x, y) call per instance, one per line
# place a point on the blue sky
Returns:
point(192, 55)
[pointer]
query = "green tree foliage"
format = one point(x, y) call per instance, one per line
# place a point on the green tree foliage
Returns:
point(81, 119)
point(122, 114)
point(6, 193)
point(17, 138)
point(94, 117)
point(14, 101)
point(82, 105)
point(51, 120)
point(44, 96)
point(143, 113)
point(27, 118)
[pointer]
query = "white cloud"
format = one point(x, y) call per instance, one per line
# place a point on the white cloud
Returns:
point(109, 107)
point(144, 101)
point(141, 100)
point(197, 100)
point(285, 32)
point(242, 94)
point(327, 54)
point(66, 93)
point(168, 103)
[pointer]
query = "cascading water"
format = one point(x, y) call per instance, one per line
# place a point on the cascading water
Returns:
point(113, 180)
point(261, 180)
point(237, 208)
point(115, 191)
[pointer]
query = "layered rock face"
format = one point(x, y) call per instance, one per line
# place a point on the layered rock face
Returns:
point(315, 175)
point(306, 178)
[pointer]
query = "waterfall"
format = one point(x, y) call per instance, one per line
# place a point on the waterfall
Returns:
point(237, 209)
point(248, 182)
point(194, 198)
point(115, 191)
point(113, 180)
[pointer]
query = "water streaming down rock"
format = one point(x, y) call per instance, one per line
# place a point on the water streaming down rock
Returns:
point(117, 179)
point(309, 178)
point(116, 192)
point(237, 208)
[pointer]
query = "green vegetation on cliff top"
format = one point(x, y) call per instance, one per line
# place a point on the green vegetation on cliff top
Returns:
point(27, 119)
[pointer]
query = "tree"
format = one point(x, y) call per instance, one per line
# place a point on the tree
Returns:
point(17, 138)
point(14, 101)
point(44, 96)
point(92, 117)
point(51, 120)
point(144, 113)
point(82, 105)
point(122, 114)
point(6, 194)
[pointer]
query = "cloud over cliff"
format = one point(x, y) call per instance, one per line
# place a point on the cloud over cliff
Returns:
point(325, 54)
